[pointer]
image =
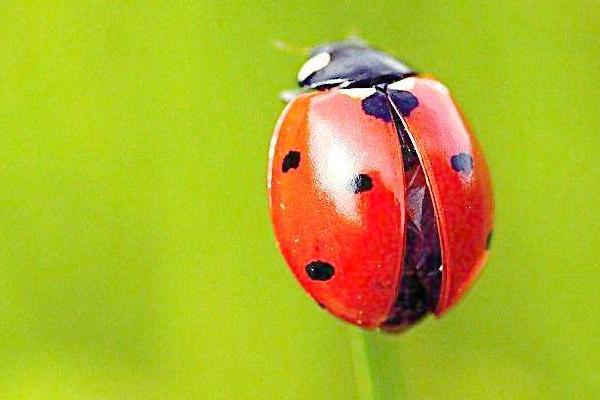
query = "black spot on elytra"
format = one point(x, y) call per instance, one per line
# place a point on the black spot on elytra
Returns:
point(291, 160)
point(362, 183)
point(462, 162)
point(321, 304)
point(377, 106)
point(319, 270)
point(488, 240)
point(404, 101)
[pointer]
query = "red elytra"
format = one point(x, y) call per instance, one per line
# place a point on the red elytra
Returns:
point(463, 201)
point(318, 216)
point(325, 147)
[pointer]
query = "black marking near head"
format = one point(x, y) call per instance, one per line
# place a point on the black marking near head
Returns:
point(488, 240)
point(291, 160)
point(319, 270)
point(377, 106)
point(403, 101)
point(353, 64)
point(462, 162)
point(362, 183)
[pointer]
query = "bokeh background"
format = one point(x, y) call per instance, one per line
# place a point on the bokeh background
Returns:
point(136, 255)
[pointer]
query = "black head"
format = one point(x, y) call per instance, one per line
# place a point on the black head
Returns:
point(350, 63)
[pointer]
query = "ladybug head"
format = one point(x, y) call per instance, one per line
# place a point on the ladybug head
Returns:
point(350, 63)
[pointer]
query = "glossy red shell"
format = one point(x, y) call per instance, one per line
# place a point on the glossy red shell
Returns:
point(317, 215)
point(462, 199)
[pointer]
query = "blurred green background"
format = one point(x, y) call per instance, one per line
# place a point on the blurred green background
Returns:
point(136, 255)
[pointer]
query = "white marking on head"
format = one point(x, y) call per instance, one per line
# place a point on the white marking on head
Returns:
point(403, 84)
point(316, 63)
point(359, 93)
point(339, 82)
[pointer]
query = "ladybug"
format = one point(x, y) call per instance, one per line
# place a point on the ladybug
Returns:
point(379, 194)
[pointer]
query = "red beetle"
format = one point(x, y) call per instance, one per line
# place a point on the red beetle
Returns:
point(379, 194)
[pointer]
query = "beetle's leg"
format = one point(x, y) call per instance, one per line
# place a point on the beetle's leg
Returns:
point(291, 94)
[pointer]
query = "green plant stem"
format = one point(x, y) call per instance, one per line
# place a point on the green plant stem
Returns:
point(362, 366)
